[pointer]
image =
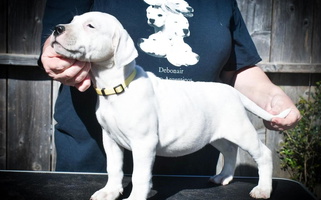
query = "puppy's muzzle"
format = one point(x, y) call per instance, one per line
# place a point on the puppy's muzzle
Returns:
point(59, 30)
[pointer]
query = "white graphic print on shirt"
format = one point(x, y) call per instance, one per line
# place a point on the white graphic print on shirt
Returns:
point(169, 19)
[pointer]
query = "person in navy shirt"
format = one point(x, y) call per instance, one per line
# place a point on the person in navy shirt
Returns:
point(208, 42)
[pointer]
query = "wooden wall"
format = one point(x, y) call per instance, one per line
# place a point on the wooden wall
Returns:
point(287, 34)
point(25, 90)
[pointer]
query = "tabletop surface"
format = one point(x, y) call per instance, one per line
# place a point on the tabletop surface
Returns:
point(19, 185)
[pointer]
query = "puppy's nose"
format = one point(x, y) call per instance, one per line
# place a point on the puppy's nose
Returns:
point(186, 31)
point(59, 30)
point(152, 21)
point(190, 9)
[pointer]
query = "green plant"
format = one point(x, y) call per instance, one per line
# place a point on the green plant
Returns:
point(300, 152)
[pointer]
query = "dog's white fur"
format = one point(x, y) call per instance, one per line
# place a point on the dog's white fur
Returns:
point(159, 117)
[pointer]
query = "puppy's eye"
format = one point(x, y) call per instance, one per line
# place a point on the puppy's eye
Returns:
point(90, 26)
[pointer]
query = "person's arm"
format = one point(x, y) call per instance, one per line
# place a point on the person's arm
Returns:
point(255, 84)
point(67, 71)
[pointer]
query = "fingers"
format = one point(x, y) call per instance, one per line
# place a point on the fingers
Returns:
point(277, 126)
point(280, 124)
point(67, 71)
point(73, 74)
point(56, 66)
point(84, 85)
point(54, 63)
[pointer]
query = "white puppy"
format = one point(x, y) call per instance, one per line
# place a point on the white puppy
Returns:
point(175, 6)
point(156, 17)
point(150, 116)
point(179, 6)
point(176, 26)
point(156, 44)
point(168, 39)
point(181, 54)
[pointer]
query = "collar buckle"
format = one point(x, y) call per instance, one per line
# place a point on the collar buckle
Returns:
point(119, 89)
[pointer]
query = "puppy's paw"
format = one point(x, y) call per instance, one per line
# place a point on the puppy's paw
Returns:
point(105, 194)
point(221, 179)
point(260, 193)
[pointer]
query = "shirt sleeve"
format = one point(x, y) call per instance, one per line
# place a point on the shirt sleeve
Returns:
point(62, 11)
point(244, 52)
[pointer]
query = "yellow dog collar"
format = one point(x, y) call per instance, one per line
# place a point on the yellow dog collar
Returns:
point(119, 88)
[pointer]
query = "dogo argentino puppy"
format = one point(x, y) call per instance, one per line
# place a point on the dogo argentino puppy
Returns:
point(151, 116)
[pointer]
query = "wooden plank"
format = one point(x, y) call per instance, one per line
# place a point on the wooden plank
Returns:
point(291, 67)
point(257, 15)
point(55, 91)
point(31, 60)
point(3, 26)
point(29, 119)
point(19, 59)
point(3, 117)
point(294, 85)
point(316, 45)
point(292, 31)
point(24, 26)
point(315, 78)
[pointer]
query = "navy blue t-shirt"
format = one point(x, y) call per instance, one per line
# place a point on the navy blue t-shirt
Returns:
point(217, 36)
point(213, 34)
point(216, 33)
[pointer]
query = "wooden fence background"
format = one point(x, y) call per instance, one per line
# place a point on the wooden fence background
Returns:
point(287, 34)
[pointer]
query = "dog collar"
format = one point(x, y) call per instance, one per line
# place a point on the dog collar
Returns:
point(119, 88)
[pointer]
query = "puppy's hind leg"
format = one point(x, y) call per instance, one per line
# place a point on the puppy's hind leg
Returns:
point(248, 140)
point(229, 151)
point(263, 158)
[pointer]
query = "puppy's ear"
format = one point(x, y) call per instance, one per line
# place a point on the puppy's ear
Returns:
point(125, 51)
point(154, 2)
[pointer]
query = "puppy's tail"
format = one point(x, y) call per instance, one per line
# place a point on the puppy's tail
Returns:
point(260, 112)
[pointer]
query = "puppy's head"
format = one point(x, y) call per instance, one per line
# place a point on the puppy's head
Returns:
point(178, 24)
point(156, 16)
point(94, 37)
point(180, 6)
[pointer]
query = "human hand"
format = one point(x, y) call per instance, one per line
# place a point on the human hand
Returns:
point(278, 104)
point(67, 71)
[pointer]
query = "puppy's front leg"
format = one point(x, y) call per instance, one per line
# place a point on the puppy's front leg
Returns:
point(144, 152)
point(115, 155)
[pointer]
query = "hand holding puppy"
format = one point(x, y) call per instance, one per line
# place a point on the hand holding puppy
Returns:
point(67, 71)
point(277, 104)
